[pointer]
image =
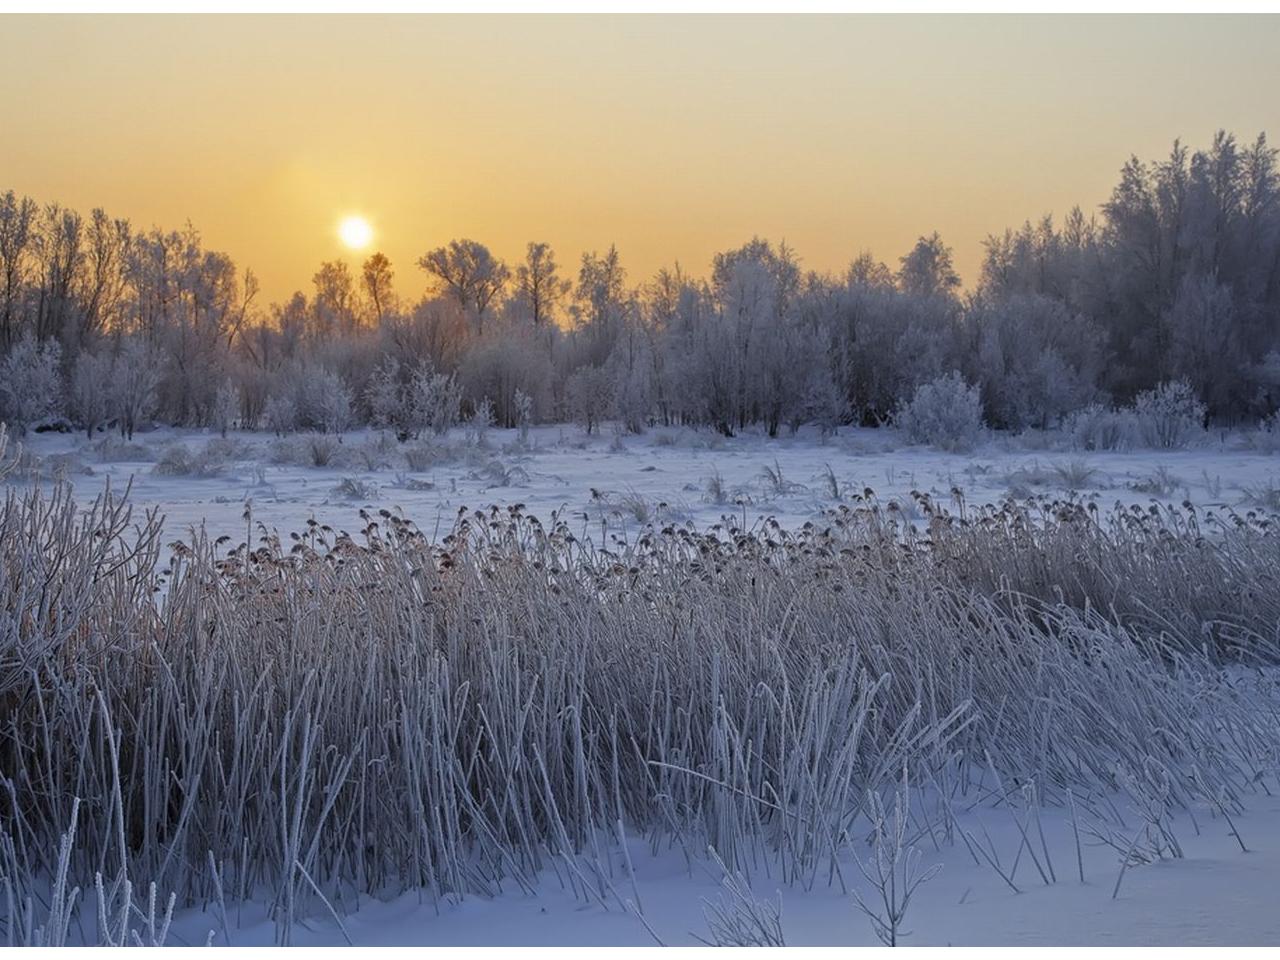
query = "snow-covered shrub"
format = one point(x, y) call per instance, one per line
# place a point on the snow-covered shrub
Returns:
point(524, 414)
point(354, 488)
point(30, 385)
point(495, 473)
point(1161, 482)
point(113, 449)
point(178, 460)
point(229, 449)
point(432, 401)
point(318, 399)
point(1168, 416)
point(945, 413)
point(374, 453)
point(420, 456)
point(330, 405)
point(1264, 495)
point(480, 421)
point(1099, 427)
point(285, 451)
point(384, 396)
point(307, 450)
point(321, 449)
point(1266, 438)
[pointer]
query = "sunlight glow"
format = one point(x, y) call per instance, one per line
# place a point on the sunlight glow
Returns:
point(355, 232)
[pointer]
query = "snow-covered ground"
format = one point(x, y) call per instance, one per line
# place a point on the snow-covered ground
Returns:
point(1215, 894)
point(665, 475)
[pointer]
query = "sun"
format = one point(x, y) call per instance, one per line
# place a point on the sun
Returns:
point(355, 232)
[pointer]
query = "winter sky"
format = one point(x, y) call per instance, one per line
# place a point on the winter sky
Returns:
point(671, 136)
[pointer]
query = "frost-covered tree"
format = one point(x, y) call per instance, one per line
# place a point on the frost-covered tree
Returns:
point(602, 305)
point(928, 270)
point(589, 397)
point(30, 383)
point(539, 283)
point(226, 408)
point(17, 240)
point(504, 362)
point(376, 275)
point(92, 386)
point(135, 377)
point(1037, 361)
point(1204, 343)
point(330, 403)
point(1176, 278)
point(336, 306)
point(281, 414)
point(466, 271)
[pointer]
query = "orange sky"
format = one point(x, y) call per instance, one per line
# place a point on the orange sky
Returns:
point(671, 136)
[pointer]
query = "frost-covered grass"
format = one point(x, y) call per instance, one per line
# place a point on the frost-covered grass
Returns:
point(293, 724)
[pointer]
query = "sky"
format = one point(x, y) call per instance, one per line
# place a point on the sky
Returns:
point(671, 136)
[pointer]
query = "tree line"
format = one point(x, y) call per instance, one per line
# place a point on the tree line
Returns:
point(1176, 278)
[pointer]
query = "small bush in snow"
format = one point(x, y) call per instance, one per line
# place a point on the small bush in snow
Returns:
point(1266, 439)
point(1099, 427)
point(375, 453)
point(113, 449)
point(1074, 474)
point(321, 448)
point(353, 488)
point(420, 456)
point(179, 461)
point(227, 449)
point(1264, 495)
point(524, 414)
point(945, 413)
point(1169, 416)
point(307, 450)
point(1161, 482)
point(480, 421)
